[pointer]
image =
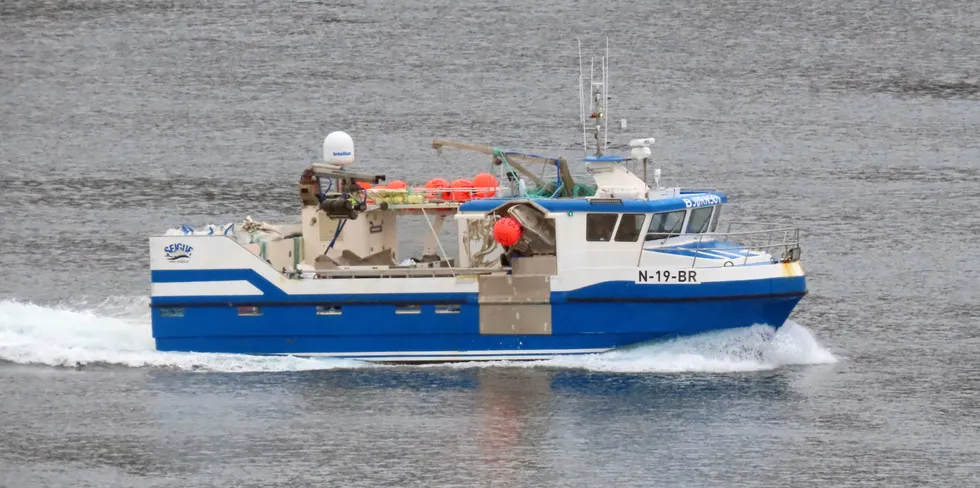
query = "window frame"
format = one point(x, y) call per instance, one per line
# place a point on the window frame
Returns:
point(171, 312)
point(329, 309)
point(408, 309)
point(249, 310)
point(447, 308)
point(715, 217)
point(612, 230)
point(639, 227)
point(651, 236)
point(705, 226)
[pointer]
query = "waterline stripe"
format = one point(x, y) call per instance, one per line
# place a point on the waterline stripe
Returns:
point(512, 352)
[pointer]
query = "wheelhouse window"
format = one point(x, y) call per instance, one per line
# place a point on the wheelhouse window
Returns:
point(630, 227)
point(700, 218)
point(599, 226)
point(714, 219)
point(665, 224)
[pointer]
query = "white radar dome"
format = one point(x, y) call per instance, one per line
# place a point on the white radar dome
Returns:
point(338, 149)
point(641, 152)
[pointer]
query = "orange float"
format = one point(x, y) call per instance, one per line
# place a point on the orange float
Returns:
point(485, 184)
point(507, 231)
point(434, 184)
point(462, 190)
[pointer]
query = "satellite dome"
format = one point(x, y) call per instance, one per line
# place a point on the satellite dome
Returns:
point(338, 149)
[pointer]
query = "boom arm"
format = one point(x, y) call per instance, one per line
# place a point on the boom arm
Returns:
point(512, 160)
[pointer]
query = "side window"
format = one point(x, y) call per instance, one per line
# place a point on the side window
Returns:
point(630, 227)
point(714, 219)
point(599, 226)
point(700, 218)
point(665, 224)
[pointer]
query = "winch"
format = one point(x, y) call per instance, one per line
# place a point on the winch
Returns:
point(344, 197)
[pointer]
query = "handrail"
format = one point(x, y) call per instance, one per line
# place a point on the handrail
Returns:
point(436, 193)
point(406, 272)
point(754, 222)
point(789, 240)
point(762, 226)
point(746, 232)
point(715, 234)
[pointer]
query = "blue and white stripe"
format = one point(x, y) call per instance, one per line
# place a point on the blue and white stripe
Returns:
point(708, 250)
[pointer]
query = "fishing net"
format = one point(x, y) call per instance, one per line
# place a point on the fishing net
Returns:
point(551, 189)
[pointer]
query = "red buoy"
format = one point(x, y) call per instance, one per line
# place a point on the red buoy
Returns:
point(507, 231)
point(435, 183)
point(462, 190)
point(486, 185)
point(397, 185)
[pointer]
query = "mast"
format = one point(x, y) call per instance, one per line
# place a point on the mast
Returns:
point(598, 126)
point(581, 98)
point(598, 99)
point(605, 97)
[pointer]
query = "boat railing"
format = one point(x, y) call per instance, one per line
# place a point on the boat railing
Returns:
point(406, 272)
point(754, 225)
point(461, 194)
point(780, 242)
point(417, 195)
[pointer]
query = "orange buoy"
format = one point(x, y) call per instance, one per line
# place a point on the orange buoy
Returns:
point(462, 190)
point(435, 183)
point(507, 231)
point(397, 185)
point(485, 184)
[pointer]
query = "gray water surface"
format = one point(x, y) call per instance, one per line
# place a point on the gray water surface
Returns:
point(856, 121)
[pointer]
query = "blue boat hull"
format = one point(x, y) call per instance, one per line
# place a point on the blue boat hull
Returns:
point(588, 321)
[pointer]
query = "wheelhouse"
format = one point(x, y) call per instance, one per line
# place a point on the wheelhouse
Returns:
point(654, 226)
point(615, 220)
point(601, 232)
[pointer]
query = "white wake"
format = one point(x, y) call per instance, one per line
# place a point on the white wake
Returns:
point(755, 348)
point(116, 331)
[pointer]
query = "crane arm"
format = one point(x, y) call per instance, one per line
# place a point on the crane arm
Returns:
point(515, 160)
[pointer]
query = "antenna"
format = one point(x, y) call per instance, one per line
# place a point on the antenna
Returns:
point(596, 105)
point(598, 100)
point(581, 97)
point(605, 97)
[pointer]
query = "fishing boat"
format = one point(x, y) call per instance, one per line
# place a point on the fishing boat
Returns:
point(542, 267)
